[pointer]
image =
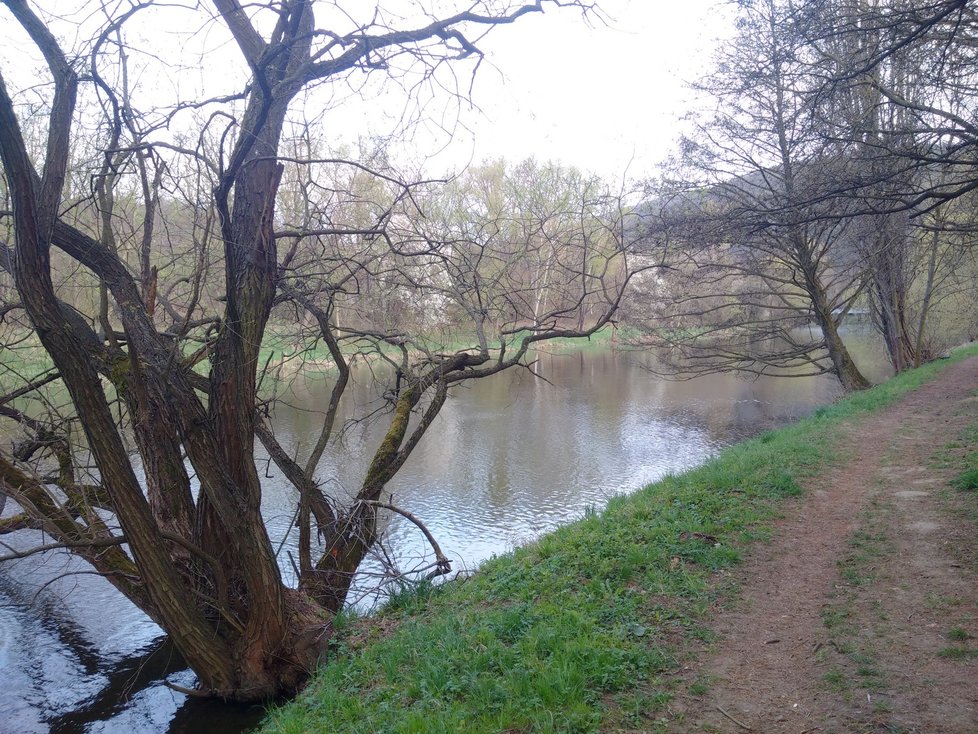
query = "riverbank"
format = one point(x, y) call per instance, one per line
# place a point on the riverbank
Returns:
point(597, 626)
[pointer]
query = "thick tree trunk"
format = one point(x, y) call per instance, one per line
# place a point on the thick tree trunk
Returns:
point(899, 344)
point(887, 261)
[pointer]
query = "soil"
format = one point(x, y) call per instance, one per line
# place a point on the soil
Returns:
point(861, 615)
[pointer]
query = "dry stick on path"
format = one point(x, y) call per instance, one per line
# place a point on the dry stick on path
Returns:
point(738, 723)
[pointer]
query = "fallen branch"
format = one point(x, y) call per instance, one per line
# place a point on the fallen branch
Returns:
point(192, 692)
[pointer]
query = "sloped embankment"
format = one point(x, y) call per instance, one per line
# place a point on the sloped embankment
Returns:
point(594, 627)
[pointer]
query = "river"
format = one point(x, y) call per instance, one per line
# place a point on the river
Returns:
point(508, 459)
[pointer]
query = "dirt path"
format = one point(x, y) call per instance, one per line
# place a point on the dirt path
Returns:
point(862, 614)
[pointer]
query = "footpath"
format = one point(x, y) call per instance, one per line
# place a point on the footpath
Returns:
point(861, 615)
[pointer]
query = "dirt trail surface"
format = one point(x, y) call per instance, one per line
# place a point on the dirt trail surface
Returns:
point(861, 616)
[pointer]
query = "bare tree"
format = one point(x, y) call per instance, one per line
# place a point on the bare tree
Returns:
point(835, 174)
point(896, 97)
point(755, 255)
point(175, 525)
point(897, 86)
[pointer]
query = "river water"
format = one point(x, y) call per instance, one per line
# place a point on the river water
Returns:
point(508, 459)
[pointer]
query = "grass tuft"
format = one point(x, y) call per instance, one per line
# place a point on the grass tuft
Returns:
point(967, 480)
point(958, 653)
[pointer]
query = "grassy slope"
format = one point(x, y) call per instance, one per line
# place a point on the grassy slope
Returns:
point(575, 632)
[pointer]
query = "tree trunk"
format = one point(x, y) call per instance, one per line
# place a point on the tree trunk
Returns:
point(842, 364)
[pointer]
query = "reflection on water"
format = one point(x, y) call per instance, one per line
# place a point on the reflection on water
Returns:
point(507, 459)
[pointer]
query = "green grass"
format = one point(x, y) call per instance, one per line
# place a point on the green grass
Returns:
point(968, 479)
point(957, 455)
point(958, 653)
point(577, 632)
point(866, 546)
point(855, 667)
point(882, 707)
point(836, 680)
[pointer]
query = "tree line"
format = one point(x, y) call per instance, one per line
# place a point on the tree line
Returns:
point(831, 168)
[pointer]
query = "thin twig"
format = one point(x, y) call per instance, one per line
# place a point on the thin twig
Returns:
point(93, 543)
point(738, 723)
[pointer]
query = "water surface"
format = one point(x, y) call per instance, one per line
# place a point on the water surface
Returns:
point(507, 459)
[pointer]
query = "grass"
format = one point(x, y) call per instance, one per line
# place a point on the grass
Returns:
point(855, 666)
point(956, 453)
point(882, 707)
point(958, 653)
point(958, 634)
point(867, 545)
point(836, 680)
point(968, 479)
point(578, 631)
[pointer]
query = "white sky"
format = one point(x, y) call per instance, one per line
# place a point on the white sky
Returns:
point(604, 97)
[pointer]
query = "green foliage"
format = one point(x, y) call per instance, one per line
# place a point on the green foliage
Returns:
point(542, 639)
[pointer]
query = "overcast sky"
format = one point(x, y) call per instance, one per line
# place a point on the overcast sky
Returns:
point(602, 97)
